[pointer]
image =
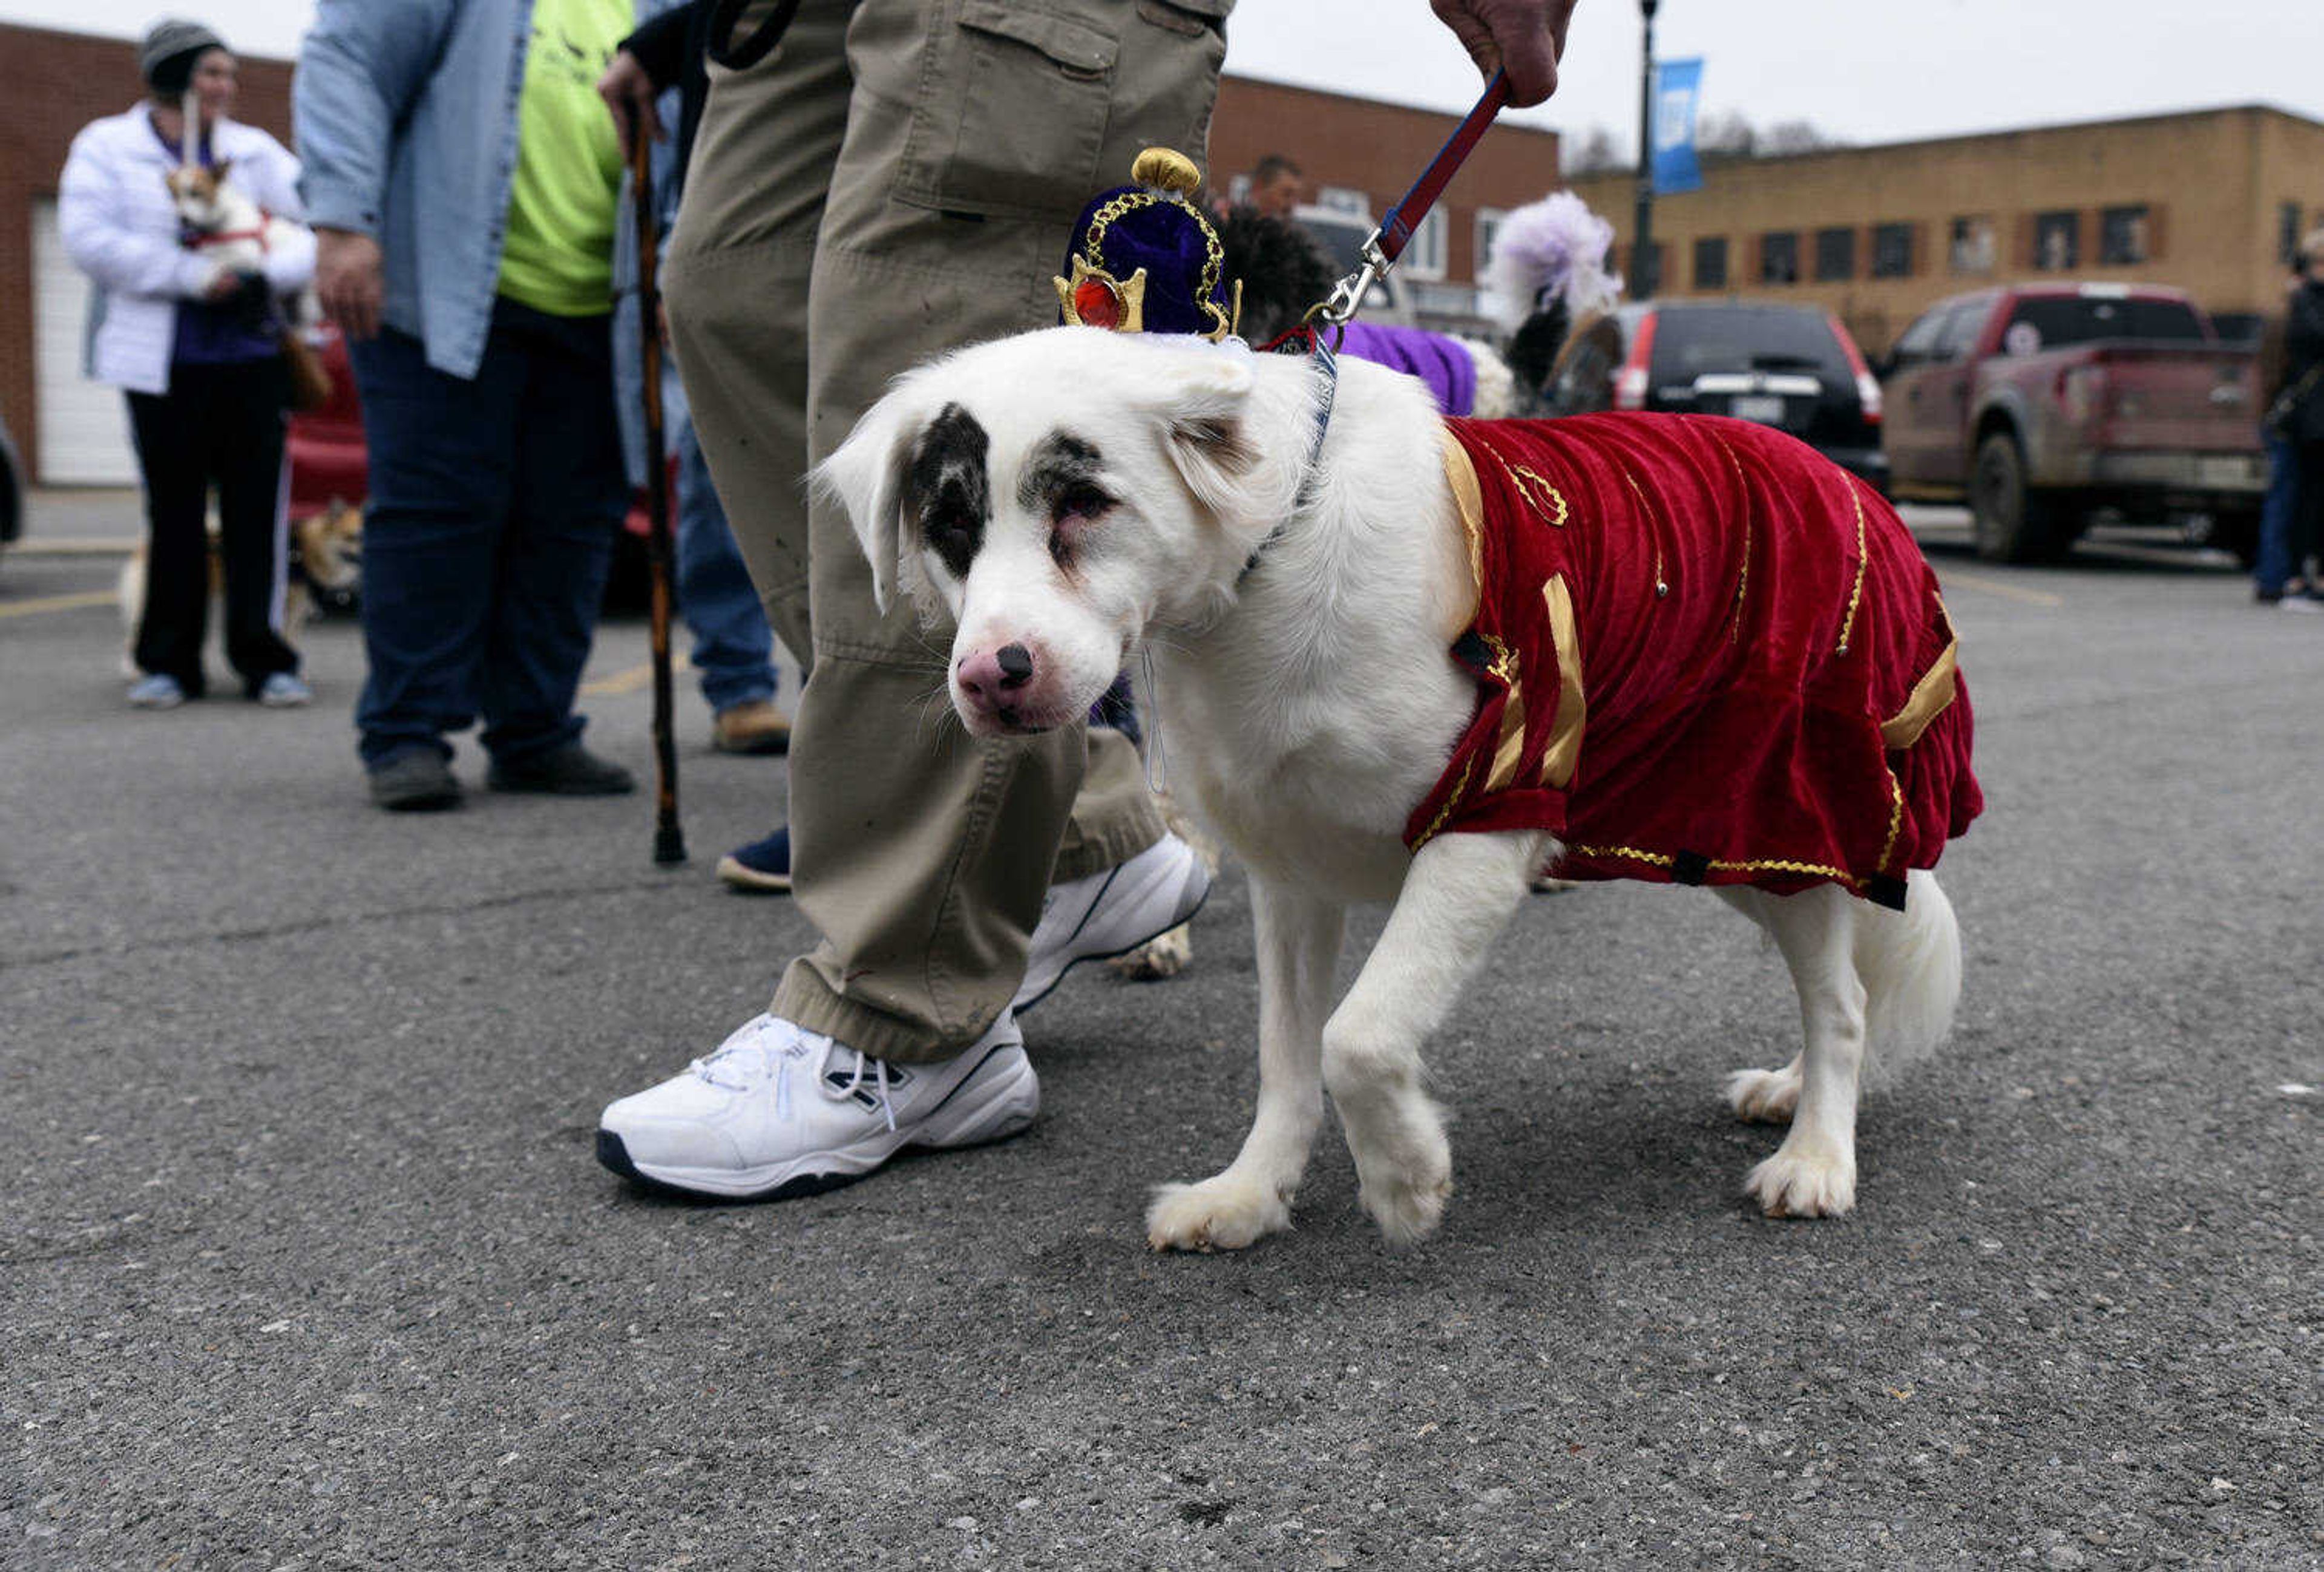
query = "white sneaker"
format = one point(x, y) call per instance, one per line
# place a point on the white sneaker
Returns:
point(778, 1111)
point(1111, 914)
point(156, 691)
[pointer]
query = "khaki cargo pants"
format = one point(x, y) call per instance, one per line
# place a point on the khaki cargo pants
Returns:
point(899, 178)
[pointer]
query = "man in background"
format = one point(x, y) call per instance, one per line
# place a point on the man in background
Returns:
point(1277, 185)
point(466, 249)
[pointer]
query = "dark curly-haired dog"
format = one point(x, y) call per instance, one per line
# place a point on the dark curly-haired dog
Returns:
point(1284, 271)
point(1283, 268)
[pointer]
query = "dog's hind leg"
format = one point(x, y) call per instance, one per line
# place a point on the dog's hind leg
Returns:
point(1456, 898)
point(1812, 1174)
point(1299, 939)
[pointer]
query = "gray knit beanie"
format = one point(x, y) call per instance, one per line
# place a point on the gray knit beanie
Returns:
point(166, 57)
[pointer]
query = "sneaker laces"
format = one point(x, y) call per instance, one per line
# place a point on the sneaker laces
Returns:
point(846, 1090)
point(752, 1053)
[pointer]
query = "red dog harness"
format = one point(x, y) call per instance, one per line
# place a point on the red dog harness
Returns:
point(199, 238)
point(1704, 655)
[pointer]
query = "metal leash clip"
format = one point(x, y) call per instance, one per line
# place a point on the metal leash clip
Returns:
point(1339, 306)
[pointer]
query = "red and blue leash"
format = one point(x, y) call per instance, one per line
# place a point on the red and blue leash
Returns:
point(1386, 245)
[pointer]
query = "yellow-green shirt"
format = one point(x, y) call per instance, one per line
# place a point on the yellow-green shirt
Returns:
point(558, 254)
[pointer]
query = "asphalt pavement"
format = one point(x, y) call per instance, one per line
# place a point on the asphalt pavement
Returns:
point(306, 1262)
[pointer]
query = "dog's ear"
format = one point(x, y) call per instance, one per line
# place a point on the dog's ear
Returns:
point(218, 171)
point(1202, 398)
point(865, 476)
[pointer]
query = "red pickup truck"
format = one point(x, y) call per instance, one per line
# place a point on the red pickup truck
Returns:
point(2038, 405)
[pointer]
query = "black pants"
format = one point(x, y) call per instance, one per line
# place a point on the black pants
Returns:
point(222, 426)
point(2308, 511)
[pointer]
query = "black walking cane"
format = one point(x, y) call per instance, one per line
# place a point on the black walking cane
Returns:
point(669, 841)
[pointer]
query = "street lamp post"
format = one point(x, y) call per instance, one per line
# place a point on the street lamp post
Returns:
point(1642, 258)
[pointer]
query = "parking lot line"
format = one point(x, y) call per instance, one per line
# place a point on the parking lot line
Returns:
point(79, 601)
point(2001, 587)
point(621, 682)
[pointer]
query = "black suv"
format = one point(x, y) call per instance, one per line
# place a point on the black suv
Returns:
point(1792, 367)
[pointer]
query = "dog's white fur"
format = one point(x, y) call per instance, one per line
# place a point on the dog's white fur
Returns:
point(209, 201)
point(1309, 707)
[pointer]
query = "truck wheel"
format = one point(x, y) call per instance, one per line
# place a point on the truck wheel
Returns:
point(2013, 522)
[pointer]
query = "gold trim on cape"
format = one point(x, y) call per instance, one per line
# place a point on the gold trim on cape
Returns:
point(1565, 750)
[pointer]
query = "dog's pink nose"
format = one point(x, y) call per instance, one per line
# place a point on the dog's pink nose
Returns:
point(991, 677)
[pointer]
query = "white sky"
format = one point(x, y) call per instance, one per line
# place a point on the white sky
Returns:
point(1867, 71)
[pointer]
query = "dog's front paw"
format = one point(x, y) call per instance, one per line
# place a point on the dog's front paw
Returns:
point(1408, 1203)
point(1223, 1212)
point(1765, 1096)
point(1157, 958)
point(1802, 1184)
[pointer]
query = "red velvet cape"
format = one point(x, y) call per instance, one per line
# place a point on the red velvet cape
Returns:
point(1704, 654)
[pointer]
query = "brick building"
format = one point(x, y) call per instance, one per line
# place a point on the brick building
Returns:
point(2208, 201)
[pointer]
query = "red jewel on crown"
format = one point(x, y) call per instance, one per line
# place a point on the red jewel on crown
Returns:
point(1098, 303)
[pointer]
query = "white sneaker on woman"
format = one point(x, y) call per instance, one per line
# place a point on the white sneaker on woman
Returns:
point(777, 1111)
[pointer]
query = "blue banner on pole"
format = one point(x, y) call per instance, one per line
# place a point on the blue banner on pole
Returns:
point(1678, 89)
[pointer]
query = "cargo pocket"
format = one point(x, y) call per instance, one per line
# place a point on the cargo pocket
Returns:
point(1012, 117)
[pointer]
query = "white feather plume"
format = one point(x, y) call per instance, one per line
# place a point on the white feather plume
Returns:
point(1554, 246)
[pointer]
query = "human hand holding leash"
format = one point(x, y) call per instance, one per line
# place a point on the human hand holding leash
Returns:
point(349, 281)
point(1523, 38)
point(629, 91)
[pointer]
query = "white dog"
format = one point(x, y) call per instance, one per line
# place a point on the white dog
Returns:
point(1071, 495)
point(235, 233)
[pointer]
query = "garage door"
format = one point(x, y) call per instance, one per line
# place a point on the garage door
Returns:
point(83, 425)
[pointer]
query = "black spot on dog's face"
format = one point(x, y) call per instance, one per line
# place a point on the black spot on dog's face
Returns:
point(1059, 464)
point(1061, 482)
point(948, 489)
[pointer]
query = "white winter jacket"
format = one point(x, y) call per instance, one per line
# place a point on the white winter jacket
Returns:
point(120, 228)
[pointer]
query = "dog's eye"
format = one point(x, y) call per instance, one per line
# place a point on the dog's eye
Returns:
point(1081, 503)
point(953, 536)
point(1077, 507)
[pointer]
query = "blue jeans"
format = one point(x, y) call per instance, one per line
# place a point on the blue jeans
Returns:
point(733, 648)
point(2277, 515)
point(493, 503)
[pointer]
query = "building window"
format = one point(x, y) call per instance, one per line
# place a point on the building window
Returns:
point(1488, 225)
point(1835, 255)
point(1345, 199)
point(1433, 300)
point(1424, 254)
point(1779, 257)
point(1972, 244)
point(1892, 251)
point(1710, 263)
point(2057, 242)
point(2287, 234)
point(2124, 236)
